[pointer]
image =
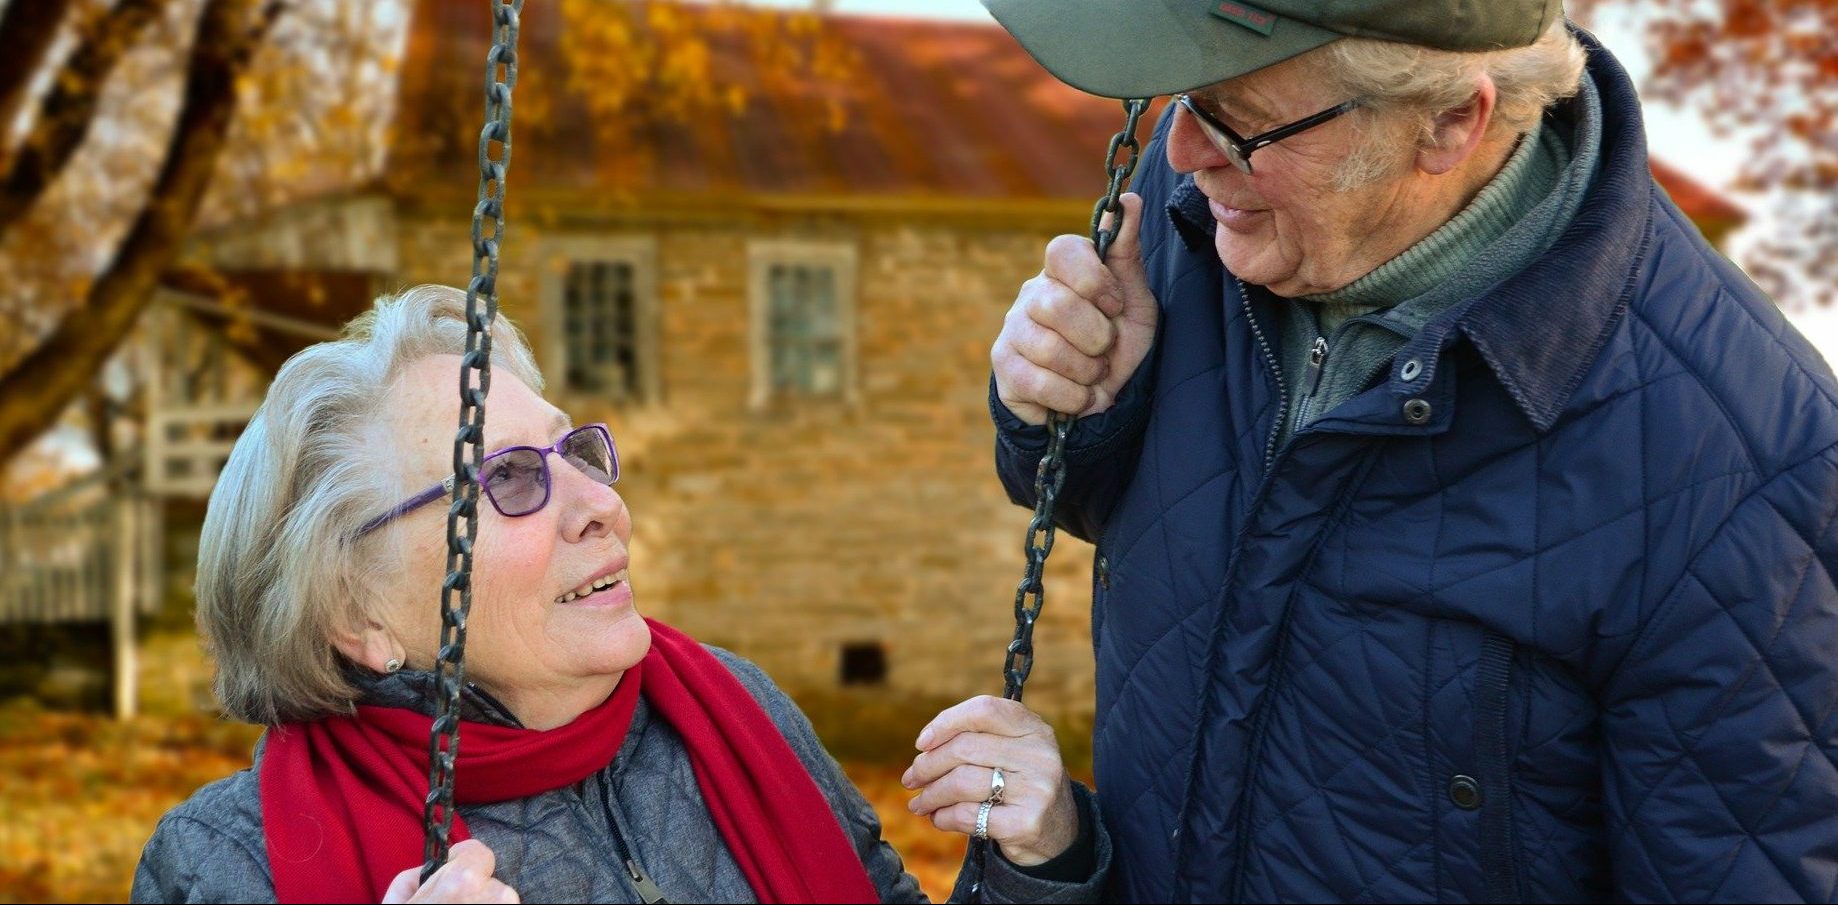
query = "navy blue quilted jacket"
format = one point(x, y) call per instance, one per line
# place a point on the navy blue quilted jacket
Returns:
point(1552, 621)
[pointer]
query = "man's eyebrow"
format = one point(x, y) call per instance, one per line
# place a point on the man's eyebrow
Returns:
point(1239, 108)
point(560, 423)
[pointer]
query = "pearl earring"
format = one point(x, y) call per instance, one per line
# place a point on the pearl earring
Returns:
point(393, 665)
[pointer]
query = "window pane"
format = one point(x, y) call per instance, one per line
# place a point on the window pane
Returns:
point(806, 330)
point(600, 323)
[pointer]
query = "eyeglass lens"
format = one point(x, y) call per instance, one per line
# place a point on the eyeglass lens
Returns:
point(1226, 144)
point(517, 480)
point(588, 449)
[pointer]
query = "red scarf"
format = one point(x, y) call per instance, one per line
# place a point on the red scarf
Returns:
point(342, 797)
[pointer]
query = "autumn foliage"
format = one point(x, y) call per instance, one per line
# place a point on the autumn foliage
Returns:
point(1766, 69)
point(81, 793)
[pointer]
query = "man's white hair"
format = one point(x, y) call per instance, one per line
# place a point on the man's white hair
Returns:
point(1405, 86)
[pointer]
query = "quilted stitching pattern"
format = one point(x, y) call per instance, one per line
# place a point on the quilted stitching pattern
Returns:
point(1287, 676)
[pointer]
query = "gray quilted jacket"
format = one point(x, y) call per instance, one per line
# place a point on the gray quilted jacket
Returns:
point(565, 845)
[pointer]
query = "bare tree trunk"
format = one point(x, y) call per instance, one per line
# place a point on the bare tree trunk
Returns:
point(27, 29)
point(68, 108)
point(58, 371)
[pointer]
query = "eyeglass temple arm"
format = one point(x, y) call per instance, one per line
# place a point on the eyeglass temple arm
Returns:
point(444, 488)
point(1275, 135)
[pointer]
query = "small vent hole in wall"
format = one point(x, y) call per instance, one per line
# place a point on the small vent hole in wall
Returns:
point(864, 663)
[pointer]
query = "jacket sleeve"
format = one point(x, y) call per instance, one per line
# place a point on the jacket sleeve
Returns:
point(1720, 721)
point(1001, 881)
point(857, 817)
point(1101, 455)
point(188, 860)
point(863, 826)
point(1102, 449)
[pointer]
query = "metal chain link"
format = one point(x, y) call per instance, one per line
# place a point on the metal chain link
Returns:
point(469, 443)
point(1050, 476)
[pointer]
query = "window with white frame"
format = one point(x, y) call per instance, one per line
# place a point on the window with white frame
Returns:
point(600, 316)
point(803, 319)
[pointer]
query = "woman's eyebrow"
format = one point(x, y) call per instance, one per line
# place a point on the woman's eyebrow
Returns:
point(558, 426)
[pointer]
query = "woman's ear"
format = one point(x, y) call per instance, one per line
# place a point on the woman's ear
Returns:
point(1457, 132)
point(369, 644)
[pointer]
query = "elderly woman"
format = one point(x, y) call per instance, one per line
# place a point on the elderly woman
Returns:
point(604, 757)
point(1464, 521)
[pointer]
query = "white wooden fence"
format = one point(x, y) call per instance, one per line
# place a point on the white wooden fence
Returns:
point(87, 552)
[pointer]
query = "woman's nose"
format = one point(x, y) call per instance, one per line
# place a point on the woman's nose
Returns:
point(1189, 150)
point(590, 508)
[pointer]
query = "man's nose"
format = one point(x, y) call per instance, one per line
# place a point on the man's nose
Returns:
point(1189, 150)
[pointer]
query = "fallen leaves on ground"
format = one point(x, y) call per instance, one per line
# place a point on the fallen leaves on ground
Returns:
point(81, 794)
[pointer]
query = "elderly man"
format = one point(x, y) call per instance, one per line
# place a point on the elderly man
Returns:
point(1465, 524)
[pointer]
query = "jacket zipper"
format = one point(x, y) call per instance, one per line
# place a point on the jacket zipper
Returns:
point(1279, 659)
point(1311, 382)
point(1276, 370)
point(1181, 841)
point(648, 890)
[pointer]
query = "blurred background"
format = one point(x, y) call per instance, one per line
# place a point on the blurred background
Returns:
point(769, 244)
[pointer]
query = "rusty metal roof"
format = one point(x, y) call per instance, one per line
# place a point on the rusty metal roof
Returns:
point(924, 109)
point(1694, 198)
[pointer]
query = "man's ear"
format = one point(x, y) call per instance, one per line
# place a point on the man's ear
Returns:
point(368, 643)
point(1458, 131)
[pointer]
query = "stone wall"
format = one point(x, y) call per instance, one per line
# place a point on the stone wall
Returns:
point(788, 530)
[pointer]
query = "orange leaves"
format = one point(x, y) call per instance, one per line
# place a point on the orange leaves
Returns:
point(1766, 70)
point(640, 64)
point(81, 794)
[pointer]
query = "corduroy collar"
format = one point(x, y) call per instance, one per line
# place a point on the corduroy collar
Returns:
point(1542, 329)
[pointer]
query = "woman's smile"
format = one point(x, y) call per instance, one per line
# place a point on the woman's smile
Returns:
point(597, 591)
point(611, 592)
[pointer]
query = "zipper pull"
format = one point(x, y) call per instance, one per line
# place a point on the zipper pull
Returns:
point(1317, 356)
point(648, 892)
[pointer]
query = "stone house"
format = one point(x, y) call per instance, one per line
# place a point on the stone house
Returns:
point(783, 311)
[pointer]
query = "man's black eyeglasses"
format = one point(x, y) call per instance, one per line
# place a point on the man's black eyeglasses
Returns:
point(1238, 149)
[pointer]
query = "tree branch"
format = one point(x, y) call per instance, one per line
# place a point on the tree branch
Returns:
point(27, 31)
point(96, 408)
point(68, 108)
point(58, 371)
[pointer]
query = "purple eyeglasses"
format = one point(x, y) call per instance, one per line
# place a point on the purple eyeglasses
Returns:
point(516, 478)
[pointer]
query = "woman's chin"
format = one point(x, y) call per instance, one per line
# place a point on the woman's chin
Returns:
point(616, 645)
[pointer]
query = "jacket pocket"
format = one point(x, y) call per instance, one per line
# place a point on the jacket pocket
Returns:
point(1493, 757)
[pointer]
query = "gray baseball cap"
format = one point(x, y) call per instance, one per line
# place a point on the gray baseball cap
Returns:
point(1144, 48)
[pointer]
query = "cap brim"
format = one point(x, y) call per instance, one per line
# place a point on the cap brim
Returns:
point(1146, 48)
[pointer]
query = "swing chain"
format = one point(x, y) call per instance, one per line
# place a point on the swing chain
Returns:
point(1050, 476)
point(469, 443)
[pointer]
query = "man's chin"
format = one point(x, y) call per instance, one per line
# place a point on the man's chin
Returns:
point(1250, 261)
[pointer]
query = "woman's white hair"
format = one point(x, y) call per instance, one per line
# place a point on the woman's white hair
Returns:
point(280, 569)
point(1405, 86)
